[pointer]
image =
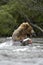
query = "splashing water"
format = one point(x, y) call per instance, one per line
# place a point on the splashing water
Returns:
point(21, 55)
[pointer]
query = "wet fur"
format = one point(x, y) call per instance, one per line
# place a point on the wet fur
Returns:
point(21, 32)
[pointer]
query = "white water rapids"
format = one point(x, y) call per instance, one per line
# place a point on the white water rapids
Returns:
point(21, 55)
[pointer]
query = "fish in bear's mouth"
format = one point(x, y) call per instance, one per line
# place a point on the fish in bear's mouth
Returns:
point(26, 41)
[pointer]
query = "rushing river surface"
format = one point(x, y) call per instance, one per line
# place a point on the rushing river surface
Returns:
point(21, 55)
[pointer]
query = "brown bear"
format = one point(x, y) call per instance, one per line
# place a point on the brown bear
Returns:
point(22, 31)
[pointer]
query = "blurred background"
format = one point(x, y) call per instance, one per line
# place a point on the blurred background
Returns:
point(14, 12)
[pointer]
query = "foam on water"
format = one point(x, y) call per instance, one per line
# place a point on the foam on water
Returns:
point(7, 43)
point(21, 55)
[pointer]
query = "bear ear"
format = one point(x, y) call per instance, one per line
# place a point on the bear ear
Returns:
point(26, 22)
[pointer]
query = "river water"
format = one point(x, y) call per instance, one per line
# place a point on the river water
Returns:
point(21, 55)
